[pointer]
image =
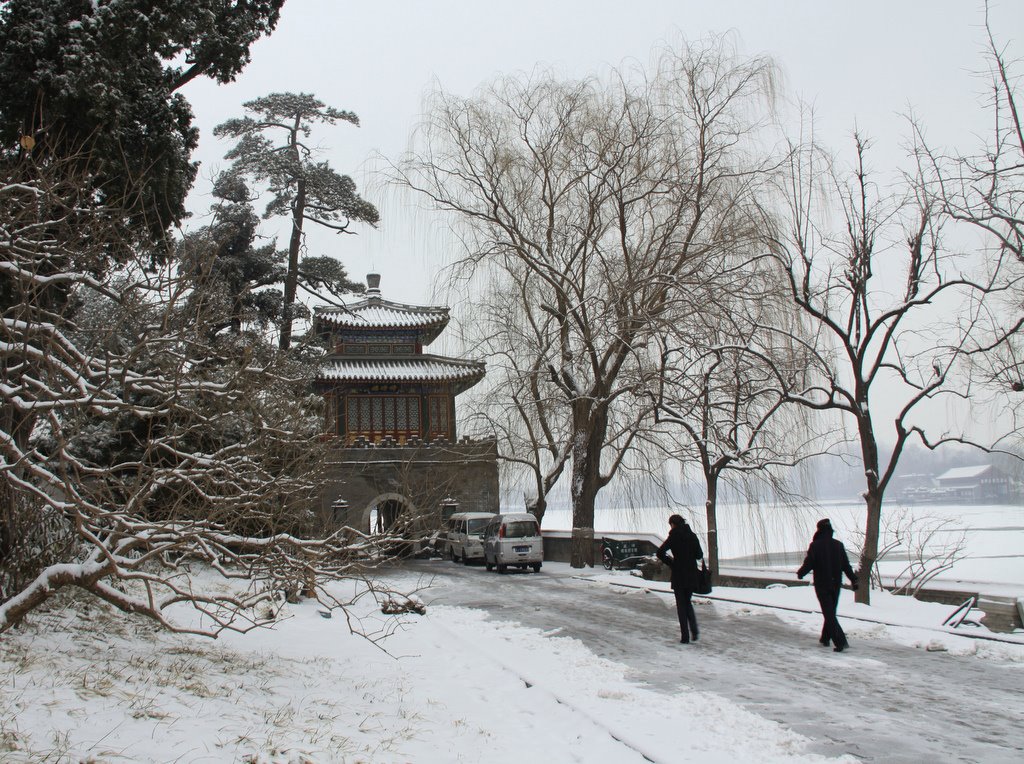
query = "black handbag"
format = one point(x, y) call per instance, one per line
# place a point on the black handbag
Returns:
point(703, 580)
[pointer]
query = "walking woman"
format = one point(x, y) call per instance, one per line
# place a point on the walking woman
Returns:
point(827, 558)
point(685, 548)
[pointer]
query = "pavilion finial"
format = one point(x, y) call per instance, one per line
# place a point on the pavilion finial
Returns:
point(373, 283)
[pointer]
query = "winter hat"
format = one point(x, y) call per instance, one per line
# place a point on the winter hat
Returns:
point(825, 524)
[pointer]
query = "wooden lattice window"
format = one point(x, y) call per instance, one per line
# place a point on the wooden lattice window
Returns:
point(440, 424)
point(376, 416)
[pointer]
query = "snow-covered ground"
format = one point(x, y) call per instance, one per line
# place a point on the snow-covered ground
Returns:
point(448, 686)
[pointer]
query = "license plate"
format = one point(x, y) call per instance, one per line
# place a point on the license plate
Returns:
point(520, 549)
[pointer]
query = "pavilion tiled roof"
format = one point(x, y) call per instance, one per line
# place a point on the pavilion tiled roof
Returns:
point(377, 312)
point(420, 368)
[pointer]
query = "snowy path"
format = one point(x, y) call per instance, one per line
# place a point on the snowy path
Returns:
point(880, 701)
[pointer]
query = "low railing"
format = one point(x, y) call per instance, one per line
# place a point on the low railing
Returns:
point(414, 441)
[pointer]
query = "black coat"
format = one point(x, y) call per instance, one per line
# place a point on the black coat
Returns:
point(827, 558)
point(685, 548)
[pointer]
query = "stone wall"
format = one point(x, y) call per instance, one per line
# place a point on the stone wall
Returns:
point(417, 475)
point(558, 544)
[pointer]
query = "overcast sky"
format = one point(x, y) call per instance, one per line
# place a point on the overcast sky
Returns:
point(865, 64)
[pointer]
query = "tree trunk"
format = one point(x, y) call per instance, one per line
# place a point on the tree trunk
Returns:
point(711, 512)
point(873, 499)
point(39, 591)
point(291, 280)
point(869, 555)
point(584, 492)
point(537, 507)
point(19, 427)
point(588, 439)
point(582, 547)
point(7, 535)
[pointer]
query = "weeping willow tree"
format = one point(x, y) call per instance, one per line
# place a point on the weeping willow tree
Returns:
point(604, 198)
point(724, 385)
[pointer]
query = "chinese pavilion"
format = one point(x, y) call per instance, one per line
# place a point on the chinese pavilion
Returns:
point(390, 413)
point(376, 379)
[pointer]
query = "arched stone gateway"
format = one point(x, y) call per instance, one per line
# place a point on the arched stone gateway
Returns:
point(384, 511)
point(427, 480)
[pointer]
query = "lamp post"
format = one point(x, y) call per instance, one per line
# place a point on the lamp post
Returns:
point(339, 511)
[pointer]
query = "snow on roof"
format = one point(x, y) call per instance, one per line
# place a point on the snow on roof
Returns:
point(964, 473)
point(377, 312)
point(424, 368)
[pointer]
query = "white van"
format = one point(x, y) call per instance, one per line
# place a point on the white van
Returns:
point(465, 535)
point(513, 539)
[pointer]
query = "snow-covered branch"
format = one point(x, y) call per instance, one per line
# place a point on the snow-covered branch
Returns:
point(141, 456)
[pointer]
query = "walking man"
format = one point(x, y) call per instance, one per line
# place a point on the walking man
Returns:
point(827, 558)
point(685, 548)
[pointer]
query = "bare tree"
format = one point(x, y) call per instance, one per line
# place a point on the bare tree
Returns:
point(726, 387)
point(610, 195)
point(985, 190)
point(896, 316)
point(136, 444)
point(927, 545)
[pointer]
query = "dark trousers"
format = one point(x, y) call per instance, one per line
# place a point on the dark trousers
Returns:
point(684, 609)
point(831, 631)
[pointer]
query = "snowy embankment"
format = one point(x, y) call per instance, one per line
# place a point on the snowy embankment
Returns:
point(447, 686)
point(989, 558)
point(901, 619)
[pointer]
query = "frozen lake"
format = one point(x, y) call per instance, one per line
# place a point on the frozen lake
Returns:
point(775, 536)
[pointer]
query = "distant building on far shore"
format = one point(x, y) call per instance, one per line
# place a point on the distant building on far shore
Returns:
point(981, 484)
point(978, 484)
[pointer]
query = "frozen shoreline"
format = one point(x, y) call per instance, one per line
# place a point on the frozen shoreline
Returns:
point(773, 537)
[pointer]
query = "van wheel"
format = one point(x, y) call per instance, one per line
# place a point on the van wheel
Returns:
point(536, 567)
point(502, 568)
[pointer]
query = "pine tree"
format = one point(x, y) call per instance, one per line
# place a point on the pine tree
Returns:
point(225, 265)
point(301, 187)
point(99, 79)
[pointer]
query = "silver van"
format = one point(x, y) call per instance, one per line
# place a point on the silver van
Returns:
point(465, 535)
point(515, 540)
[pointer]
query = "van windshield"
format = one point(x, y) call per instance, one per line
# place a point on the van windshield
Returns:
point(518, 529)
point(478, 525)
